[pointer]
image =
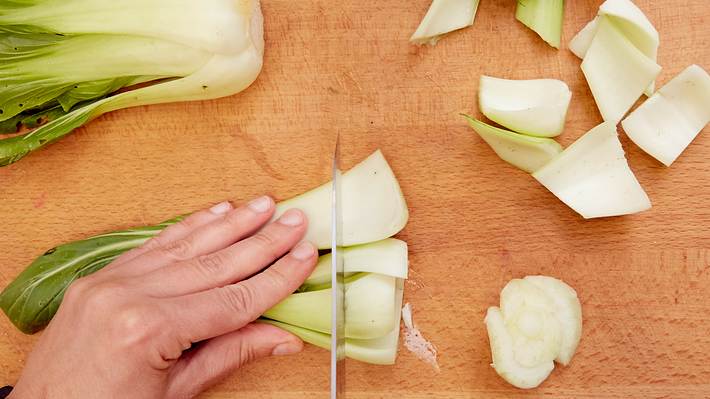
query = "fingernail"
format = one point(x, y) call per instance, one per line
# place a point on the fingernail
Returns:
point(287, 348)
point(221, 208)
point(260, 205)
point(292, 217)
point(303, 251)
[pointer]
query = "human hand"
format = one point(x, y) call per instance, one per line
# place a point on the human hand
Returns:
point(125, 331)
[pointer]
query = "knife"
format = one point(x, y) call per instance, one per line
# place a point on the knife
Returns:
point(337, 326)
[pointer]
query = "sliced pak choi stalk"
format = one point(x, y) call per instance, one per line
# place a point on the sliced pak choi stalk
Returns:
point(181, 50)
point(382, 350)
point(617, 71)
point(444, 16)
point(593, 177)
point(388, 257)
point(544, 17)
point(534, 107)
point(369, 307)
point(539, 322)
point(373, 206)
point(525, 152)
point(669, 121)
point(32, 299)
point(632, 23)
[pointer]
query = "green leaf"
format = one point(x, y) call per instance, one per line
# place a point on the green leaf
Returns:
point(33, 298)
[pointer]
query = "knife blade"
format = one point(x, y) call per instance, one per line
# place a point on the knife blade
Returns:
point(337, 343)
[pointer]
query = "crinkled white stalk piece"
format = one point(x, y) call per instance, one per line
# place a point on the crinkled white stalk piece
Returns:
point(415, 342)
point(525, 152)
point(388, 257)
point(444, 16)
point(373, 206)
point(593, 177)
point(670, 120)
point(539, 321)
point(617, 72)
point(535, 107)
point(631, 21)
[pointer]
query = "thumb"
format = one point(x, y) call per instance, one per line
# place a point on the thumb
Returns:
point(213, 360)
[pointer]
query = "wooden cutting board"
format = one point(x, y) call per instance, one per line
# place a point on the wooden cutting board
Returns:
point(475, 221)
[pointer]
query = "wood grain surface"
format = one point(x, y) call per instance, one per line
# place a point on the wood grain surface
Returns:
point(475, 221)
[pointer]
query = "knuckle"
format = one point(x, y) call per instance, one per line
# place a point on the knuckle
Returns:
point(133, 325)
point(179, 249)
point(264, 241)
point(211, 264)
point(239, 298)
point(153, 243)
point(275, 278)
point(247, 353)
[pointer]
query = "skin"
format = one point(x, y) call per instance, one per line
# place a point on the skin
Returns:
point(175, 316)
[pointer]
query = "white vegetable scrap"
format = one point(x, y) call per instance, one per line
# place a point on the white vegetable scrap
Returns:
point(593, 177)
point(524, 152)
point(670, 120)
point(536, 107)
point(620, 48)
point(617, 71)
point(415, 342)
point(632, 22)
point(444, 16)
point(539, 322)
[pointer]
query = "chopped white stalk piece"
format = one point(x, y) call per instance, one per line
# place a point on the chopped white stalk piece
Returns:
point(534, 107)
point(373, 206)
point(369, 302)
point(631, 21)
point(539, 321)
point(525, 152)
point(617, 72)
point(415, 342)
point(581, 41)
point(670, 120)
point(388, 257)
point(592, 176)
point(544, 17)
point(381, 350)
point(444, 16)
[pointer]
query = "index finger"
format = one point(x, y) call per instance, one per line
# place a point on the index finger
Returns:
point(221, 310)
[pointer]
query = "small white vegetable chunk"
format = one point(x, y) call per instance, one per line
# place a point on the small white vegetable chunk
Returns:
point(373, 206)
point(444, 16)
point(617, 72)
point(524, 152)
point(670, 120)
point(631, 21)
point(592, 176)
point(539, 321)
point(535, 107)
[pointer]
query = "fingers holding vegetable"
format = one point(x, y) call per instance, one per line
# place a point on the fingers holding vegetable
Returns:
point(222, 355)
point(233, 226)
point(241, 303)
point(113, 329)
point(231, 264)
